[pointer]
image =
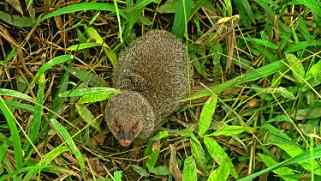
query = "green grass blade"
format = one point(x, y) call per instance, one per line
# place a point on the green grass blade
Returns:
point(118, 175)
point(275, 131)
point(313, 5)
point(93, 79)
point(15, 172)
point(18, 105)
point(206, 115)
point(302, 45)
point(229, 8)
point(296, 67)
point(169, 7)
point(82, 46)
point(140, 170)
point(90, 98)
point(304, 29)
point(93, 34)
point(199, 156)
point(314, 153)
point(248, 10)
point(58, 102)
point(81, 7)
point(263, 42)
point(86, 115)
point(66, 136)
point(189, 171)
point(13, 93)
point(89, 91)
point(3, 149)
point(141, 4)
point(240, 7)
point(36, 122)
point(189, 134)
point(161, 170)
point(119, 21)
point(153, 157)
point(219, 174)
point(182, 14)
point(160, 135)
point(252, 75)
point(219, 155)
point(16, 20)
point(266, 7)
point(268, 161)
point(293, 150)
point(229, 130)
point(18, 154)
point(45, 161)
point(55, 61)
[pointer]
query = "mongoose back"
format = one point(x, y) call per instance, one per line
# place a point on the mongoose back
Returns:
point(152, 76)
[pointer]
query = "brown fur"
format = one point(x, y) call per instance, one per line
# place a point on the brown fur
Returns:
point(152, 75)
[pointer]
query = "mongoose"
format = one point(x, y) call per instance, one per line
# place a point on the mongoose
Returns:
point(152, 76)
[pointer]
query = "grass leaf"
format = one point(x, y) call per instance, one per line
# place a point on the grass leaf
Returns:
point(199, 156)
point(13, 93)
point(183, 11)
point(16, 20)
point(47, 159)
point(93, 34)
point(229, 131)
point(36, 122)
point(152, 159)
point(206, 115)
point(220, 174)
point(262, 42)
point(296, 67)
point(82, 46)
point(55, 61)
point(140, 170)
point(86, 115)
point(302, 45)
point(189, 171)
point(18, 153)
point(268, 161)
point(89, 91)
point(252, 75)
point(306, 156)
point(219, 155)
point(161, 170)
point(118, 175)
point(71, 144)
point(81, 7)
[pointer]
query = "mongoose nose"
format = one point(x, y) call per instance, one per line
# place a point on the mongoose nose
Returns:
point(125, 143)
point(126, 137)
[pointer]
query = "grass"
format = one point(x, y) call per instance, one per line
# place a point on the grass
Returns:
point(253, 113)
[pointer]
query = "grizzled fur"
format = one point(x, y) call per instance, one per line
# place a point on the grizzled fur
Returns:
point(152, 75)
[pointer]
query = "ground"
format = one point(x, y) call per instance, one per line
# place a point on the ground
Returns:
point(253, 109)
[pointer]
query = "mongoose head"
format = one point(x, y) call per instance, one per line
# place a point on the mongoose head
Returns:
point(125, 116)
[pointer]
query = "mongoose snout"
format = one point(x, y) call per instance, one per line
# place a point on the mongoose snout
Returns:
point(152, 76)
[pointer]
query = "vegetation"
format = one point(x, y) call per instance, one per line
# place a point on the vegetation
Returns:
point(253, 112)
